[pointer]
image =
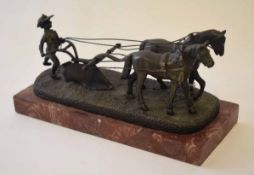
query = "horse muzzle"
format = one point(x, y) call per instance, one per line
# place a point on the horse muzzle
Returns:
point(210, 64)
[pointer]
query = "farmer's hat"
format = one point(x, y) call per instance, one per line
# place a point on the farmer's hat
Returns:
point(43, 19)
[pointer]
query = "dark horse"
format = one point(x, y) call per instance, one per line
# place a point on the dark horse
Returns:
point(175, 66)
point(215, 38)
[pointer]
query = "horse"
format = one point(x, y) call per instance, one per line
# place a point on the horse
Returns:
point(175, 66)
point(215, 38)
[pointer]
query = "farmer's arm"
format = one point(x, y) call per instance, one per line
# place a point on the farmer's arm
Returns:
point(60, 40)
point(41, 46)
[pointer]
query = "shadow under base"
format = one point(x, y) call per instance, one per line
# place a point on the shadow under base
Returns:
point(113, 103)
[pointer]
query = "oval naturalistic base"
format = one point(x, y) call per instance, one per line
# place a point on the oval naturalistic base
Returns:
point(114, 104)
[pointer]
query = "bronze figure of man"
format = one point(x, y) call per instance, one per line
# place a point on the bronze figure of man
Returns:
point(50, 37)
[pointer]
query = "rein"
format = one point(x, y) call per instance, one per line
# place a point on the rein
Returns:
point(124, 47)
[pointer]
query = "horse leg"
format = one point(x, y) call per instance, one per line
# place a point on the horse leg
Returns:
point(191, 82)
point(173, 86)
point(140, 81)
point(201, 83)
point(131, 80)
point(190, 103)
point(162, 84)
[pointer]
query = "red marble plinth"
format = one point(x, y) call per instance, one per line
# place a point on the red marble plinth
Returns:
point(192, 148)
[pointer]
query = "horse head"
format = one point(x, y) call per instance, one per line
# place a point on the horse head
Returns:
point(216, 39)
point(218, 43)
point(199, 53)
point(204, 56)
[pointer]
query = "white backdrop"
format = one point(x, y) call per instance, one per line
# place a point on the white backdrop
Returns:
point(29, 146)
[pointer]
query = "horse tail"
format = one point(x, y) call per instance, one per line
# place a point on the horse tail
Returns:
point(127, 67)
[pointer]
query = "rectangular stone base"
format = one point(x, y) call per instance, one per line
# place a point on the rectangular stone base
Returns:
point(192, 148)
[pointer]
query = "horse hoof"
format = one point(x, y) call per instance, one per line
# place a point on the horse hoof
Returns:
point(192, 110)
point(196, 97)
point(170, 112)
point(129, 96)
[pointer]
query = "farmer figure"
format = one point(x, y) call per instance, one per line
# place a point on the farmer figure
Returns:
point(52, 41)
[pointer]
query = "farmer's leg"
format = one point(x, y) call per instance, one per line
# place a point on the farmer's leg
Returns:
point(56, 64)
point(46, 63)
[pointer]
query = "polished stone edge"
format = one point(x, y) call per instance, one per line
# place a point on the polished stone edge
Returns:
point(192, 148)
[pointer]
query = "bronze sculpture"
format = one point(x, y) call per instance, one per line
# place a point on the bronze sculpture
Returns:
point(177, 61)
point(82, 95)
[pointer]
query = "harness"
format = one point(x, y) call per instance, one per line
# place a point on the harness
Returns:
point(174, 64)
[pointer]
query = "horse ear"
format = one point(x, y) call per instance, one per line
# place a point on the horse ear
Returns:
point(223, 32)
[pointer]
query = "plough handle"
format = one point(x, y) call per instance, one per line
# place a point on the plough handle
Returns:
point(117, 46)
point(74, 57)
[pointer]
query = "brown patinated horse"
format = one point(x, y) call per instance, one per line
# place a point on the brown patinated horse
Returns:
point(215, 38)
point(175, 66)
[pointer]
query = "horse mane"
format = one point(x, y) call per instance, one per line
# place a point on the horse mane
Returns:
point(215, 38)
point(192, 49)
point(212, 34)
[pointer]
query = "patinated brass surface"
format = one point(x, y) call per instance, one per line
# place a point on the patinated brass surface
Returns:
point(113, 103)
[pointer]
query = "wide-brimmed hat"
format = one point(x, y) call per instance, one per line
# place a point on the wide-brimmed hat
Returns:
point(43, 19)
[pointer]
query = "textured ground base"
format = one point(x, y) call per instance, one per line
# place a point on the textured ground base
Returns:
point(113, 103)
point(192, 148)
